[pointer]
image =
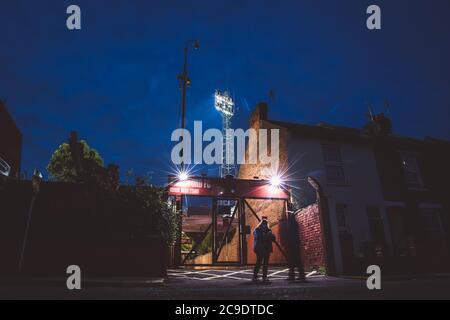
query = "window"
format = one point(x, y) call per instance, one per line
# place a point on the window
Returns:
point(396, 218)
point(431, 218)
point(331, 153)
point(341, 215)
point(333, 164)
point(411, 171)
point(335, 174)
point(376, 225)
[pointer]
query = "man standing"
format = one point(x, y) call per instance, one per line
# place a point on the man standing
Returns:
point(262, 246)
point(293, 246)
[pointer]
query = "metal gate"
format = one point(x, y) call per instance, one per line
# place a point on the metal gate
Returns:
point(219, 238)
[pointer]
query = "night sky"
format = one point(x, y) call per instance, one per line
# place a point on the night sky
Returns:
point(115, 80)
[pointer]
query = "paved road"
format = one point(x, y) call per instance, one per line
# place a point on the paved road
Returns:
point(236, 284)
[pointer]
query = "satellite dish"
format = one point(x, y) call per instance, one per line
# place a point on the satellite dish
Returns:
point(5, 168)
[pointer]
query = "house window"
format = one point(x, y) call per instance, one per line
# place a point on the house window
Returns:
point(395, 217)
point(376, 225)
point(334, 167)
point(411, 171)
point(335, 174)
point(331, 153)
point(341, 215)
point(431, 218)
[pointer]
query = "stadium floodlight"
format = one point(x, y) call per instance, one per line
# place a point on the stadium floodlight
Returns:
point(224, 103)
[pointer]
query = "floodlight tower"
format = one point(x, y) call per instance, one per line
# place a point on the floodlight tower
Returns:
point(225, 105)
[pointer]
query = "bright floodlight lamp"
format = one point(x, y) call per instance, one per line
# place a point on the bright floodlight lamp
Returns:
point(224, 103)
point(183, 176)
point(275, 181)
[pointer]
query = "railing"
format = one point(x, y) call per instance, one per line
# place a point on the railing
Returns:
point(5, 168)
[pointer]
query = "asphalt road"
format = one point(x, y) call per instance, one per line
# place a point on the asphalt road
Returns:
point(236, 285)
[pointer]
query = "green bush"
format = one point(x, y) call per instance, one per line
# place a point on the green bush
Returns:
point(150, 210)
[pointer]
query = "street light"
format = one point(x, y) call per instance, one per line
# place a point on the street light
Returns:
point(185, 81)
point(36, 188)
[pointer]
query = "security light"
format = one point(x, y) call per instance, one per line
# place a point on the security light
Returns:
point(275, 181)
point(183, 176)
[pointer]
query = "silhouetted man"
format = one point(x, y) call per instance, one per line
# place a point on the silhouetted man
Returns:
point(262, 246)
point(293, 247)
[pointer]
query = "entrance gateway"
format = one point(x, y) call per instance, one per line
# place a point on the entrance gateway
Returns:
point(217, 216)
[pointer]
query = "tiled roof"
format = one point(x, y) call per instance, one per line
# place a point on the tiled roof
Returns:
point(327, 131)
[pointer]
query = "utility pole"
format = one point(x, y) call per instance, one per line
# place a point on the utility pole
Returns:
point(184, 78)
point(185, 82)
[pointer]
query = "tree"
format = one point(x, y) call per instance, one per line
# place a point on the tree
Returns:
point(62, 167)
point(148, 211)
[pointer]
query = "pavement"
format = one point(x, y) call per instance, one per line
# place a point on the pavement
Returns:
point(231, 284)
point(244, 275)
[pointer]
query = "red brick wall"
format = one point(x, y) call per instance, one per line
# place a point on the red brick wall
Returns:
point(311, 237)
point(273, 209)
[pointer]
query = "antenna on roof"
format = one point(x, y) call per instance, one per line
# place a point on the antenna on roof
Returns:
point(369, 114)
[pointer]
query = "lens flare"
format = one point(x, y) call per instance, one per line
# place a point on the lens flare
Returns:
point(183, 176)
point(275, 181)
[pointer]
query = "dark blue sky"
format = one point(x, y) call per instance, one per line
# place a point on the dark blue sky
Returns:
point(115, 80)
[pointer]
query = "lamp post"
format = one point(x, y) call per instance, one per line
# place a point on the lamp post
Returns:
point(185, 82)
point(36, 188)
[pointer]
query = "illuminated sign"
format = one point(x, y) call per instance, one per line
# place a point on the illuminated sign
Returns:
point(233, 188)
point(199, 187)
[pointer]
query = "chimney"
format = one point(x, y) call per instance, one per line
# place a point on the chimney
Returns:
point(260, 113)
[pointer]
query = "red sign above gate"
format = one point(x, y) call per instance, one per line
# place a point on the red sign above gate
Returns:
point(233, 188)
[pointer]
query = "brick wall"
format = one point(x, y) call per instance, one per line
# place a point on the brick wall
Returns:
point(311, 237)
point(273, 209)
